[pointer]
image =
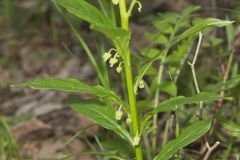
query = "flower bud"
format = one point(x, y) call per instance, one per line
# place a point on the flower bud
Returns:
point(118, 115)
point(136, 140)
point(119, 69)
point(139, 6)
point(141, 84)
point(115, 2)
point(106, 56)
point(113, 61)
point(129, 120)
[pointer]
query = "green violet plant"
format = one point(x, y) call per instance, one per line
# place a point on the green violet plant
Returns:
point(109, 109)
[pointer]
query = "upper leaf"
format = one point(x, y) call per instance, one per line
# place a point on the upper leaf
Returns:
point(120, 37)
point(190, 32)
point(198, 27)
point(85, 11)
point(187, 136)
point(100, 113)
point(71, 85)
point(169, 104)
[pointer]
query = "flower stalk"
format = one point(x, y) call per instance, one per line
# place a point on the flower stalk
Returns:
point(129, 82)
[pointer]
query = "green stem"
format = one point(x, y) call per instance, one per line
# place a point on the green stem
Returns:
point(129, 82)
point(156, 102)
point(131, 7)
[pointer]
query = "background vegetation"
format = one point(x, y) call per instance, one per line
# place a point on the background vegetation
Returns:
point(38, 39)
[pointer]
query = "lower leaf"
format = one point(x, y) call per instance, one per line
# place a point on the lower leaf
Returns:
point(187, 136)
point(101, 114)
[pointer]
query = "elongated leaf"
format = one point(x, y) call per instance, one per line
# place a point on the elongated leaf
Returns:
point(86, 11)
point(100, 113)
point(119, 37)
point(195, 29)
point(190, 32)
point(232, 128)
point(70, 85)
point(169, 104)
point(227, 85)
point(187, 136)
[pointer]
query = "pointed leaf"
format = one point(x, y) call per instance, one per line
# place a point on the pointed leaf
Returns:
point(198, 27)
point(190, 32)
point(71, 85)
point(232, 128)
point(187, 136)
point(86, 11)
point(170, 104)
point(100, 113)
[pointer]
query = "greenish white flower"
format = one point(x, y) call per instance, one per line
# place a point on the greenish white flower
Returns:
point(136, 140)
point(106, 56)
point(129, 120)
point(119, 69)
point(141, 84)
point(113, 61)
point(115, 2)
point(118, 115)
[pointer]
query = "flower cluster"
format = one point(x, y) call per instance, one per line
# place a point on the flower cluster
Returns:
point(113, 60)
point(119, 114)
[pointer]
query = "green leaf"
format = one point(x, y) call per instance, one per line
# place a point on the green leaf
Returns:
point(187, 136)
point(232, 83)
point(200, 26)
point(156, 38)
point(70, 85)
point(216, 41)
point(86, 11)
point(84, 46)
point(170, 104)
point(168, 87)
point(190, 32)
point(149, 52)
point(232, 128)
point(119, 37)
point(189, 10)
point(8, 146)
point(100, 113)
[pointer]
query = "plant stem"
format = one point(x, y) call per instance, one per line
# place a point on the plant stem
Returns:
point(156, 102)
point(129, 82)
point(192, 65)
point(210, 150)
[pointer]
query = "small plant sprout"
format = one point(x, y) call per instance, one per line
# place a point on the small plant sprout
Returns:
point(136, 140)
point(119, 114)
point(115, 2)
point(141, 84)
